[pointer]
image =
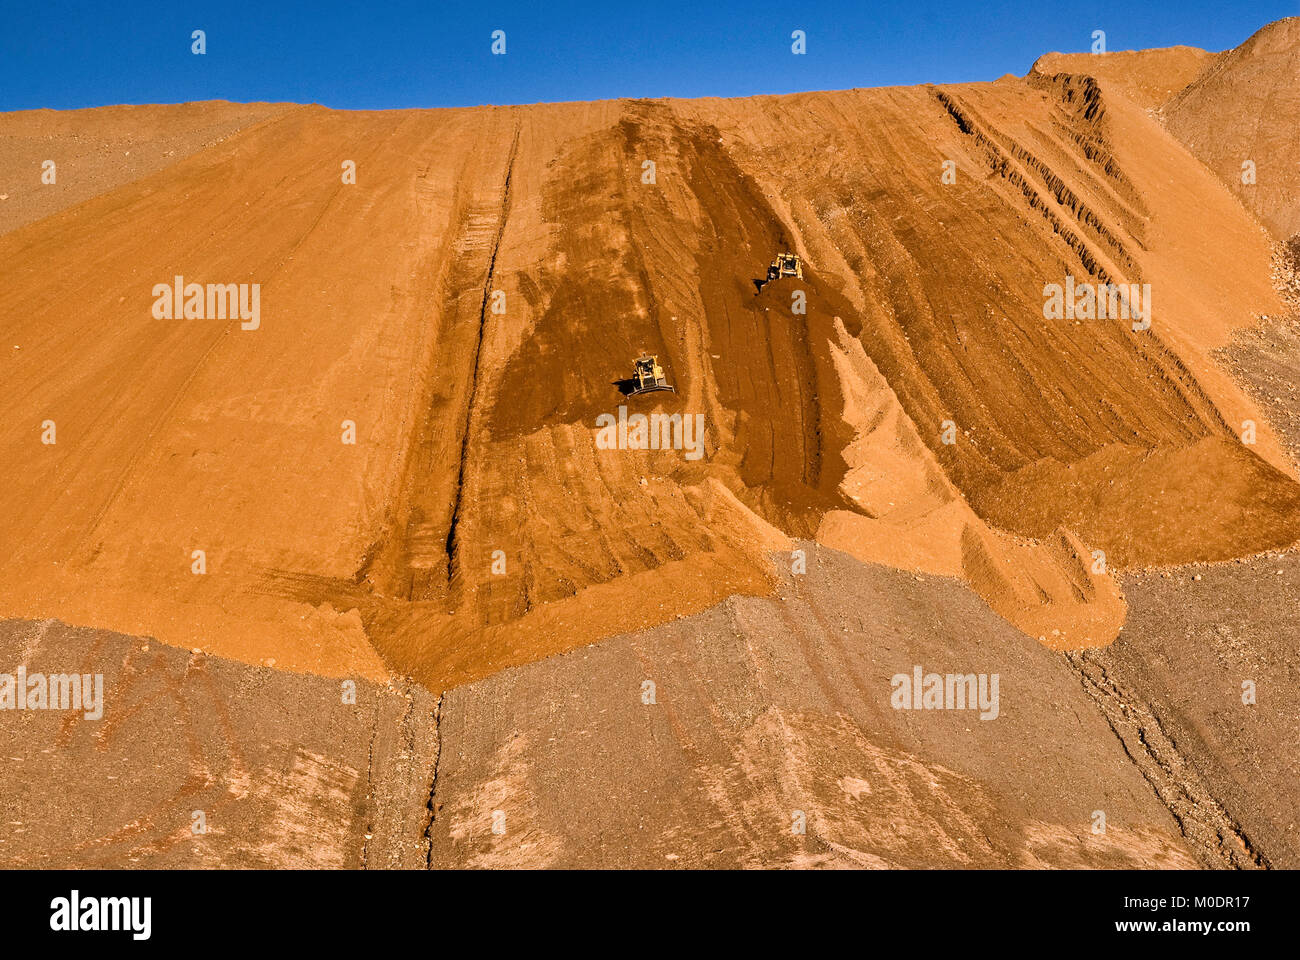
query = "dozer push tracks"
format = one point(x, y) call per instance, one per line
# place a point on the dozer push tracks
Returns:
point(478, 350)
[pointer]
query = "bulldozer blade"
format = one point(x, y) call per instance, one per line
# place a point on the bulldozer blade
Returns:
point(659, 386)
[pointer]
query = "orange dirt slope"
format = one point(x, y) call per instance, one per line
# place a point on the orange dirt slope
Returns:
point(469, 303)
point(1246, 108)
point(1150, 78)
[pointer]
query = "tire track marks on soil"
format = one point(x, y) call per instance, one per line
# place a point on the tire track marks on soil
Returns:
point(457, 499)
point(1216, 837)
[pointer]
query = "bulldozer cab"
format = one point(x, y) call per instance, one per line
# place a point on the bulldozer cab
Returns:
point(648, 371)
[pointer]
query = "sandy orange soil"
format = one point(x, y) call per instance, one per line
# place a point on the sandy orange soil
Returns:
point(1230, 110)
point(1150, 78)
point(471, 300)
point(96, 150)
point(1246, 107)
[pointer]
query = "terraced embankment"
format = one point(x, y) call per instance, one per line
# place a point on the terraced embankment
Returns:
point(468, 303)
point(464, 312)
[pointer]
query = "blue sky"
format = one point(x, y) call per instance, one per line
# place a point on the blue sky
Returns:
point(437, 53)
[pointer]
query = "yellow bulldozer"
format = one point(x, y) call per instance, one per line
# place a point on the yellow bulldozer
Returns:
point(785, 265)
point(648, 376)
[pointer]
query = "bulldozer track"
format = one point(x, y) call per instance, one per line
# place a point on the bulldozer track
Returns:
point(452, 544)
point(1215, 836)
